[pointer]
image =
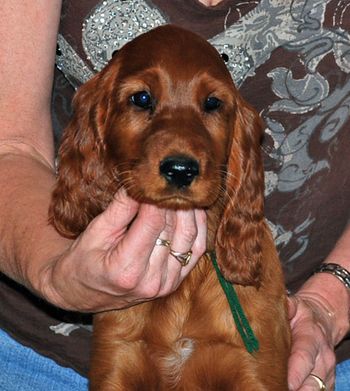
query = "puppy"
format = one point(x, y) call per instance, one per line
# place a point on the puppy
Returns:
point(164, 121)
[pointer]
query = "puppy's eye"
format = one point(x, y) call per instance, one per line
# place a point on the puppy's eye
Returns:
point(212, 103)
point(142, 99)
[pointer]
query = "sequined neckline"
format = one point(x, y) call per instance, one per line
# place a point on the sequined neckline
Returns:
point(112, 23)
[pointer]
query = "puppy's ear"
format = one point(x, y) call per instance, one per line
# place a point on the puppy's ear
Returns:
point(238, 243)
point(83, 178)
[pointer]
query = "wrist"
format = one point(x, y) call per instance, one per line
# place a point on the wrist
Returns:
point(341, 273)
point(52, 283)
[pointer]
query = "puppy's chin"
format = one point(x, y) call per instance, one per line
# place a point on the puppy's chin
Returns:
point(201, 194)
point(174, 202)
point(178, 203)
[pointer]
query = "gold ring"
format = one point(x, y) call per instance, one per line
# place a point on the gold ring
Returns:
point(162, 242)
point(319, 381)
point(183, 258)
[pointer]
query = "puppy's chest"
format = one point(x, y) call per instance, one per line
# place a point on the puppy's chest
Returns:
point(191, 330)
point(180, 326)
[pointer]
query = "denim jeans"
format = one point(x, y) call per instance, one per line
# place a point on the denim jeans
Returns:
point(23, 369)
point(342, 378)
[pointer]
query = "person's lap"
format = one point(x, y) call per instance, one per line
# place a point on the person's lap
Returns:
point(23, 369)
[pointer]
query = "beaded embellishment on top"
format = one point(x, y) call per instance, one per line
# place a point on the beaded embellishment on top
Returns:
point(115, 22)
point(69, 62)
point(237, 59)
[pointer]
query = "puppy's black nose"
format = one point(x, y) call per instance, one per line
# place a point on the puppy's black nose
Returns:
point(179, 171)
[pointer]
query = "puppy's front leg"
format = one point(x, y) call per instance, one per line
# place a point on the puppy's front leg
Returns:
point(120, 359)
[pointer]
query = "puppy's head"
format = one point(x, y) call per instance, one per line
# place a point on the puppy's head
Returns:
point(164, 121)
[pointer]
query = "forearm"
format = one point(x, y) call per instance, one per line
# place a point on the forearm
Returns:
point(28, 244)
point(28, 33)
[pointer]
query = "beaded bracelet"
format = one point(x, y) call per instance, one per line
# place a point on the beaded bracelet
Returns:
point(336, 270)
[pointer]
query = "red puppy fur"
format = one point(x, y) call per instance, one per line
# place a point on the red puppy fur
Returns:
point(187, 341)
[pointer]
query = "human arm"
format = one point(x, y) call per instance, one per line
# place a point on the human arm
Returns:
point(28, 32)
point(84, 274)
point(320, 319)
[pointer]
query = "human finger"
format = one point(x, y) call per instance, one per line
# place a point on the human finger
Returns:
point(166, 272)
point(323, 373)
point(111, 225)
point(317, 382)
point(304, 348)
point(157, 273)
point(129, 260)
point(200, 243)
point(189, 238)
point(311, 351)
point(179, 251)
point(313, 383)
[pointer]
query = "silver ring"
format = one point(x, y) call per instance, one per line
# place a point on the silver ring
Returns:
point(162, 242)
point(183, 258)
point(319, 381)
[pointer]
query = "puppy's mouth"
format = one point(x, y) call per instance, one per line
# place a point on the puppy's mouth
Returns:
point(178, 201)
point(172, 197)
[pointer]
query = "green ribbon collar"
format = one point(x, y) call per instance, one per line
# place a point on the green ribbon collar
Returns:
point(250, 341)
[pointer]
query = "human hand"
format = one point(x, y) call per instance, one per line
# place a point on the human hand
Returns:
point(312, 343)
point(115, 263)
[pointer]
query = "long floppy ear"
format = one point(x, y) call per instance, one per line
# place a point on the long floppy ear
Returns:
point(240, 231)
point(81, 189)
